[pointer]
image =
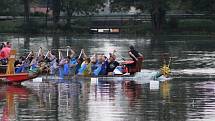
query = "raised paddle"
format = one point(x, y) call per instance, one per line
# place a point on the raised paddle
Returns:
point(80, 54)
point(67, 51)
point(119, 55)
point(39, 52)
point(29, 54)
point(59, 55)
point(47, 54)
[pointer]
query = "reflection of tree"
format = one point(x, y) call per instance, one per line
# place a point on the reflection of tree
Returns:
point(72, 101)
point(77, 43)
point(42, 103)
point(157, 49)
point(55, 43)
point(27, 42)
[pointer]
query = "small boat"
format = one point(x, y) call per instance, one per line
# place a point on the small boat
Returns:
point(105, 30)
point(11, 77)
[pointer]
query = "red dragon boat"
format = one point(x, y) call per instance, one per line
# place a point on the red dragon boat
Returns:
point(11, 77)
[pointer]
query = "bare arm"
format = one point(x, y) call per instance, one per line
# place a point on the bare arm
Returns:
point(72, 53)
point(84, 54)
point(133, 56)
point(140, 54)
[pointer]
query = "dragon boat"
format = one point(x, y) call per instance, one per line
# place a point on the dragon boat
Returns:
point(9, 76)
point(133, 73)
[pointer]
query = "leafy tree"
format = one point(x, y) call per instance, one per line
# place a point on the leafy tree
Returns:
point(157, 9)
point(193, 6)
point(56, 7)
point(26, 4)
point(199, 6)
point(80, 7)
point(10, 7)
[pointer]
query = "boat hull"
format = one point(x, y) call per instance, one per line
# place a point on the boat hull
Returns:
point(17, 78)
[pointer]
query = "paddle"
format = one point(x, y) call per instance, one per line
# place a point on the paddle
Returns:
point(29, 54)
point(47, 54)
point(59, 54)
point(67, 51)
point(80, 54)
point(119, 55)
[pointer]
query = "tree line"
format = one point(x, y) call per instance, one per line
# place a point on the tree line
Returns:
point(156, 8)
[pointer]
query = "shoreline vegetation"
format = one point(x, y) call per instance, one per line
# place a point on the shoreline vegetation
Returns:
point(83, 26)
point(140, 17)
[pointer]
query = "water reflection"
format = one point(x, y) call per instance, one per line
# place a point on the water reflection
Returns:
point(41, 103)
point(108, 100)
point(188, 97)
point(132, 91)
point(12, 97)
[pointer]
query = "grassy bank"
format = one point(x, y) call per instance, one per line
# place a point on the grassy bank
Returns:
point(81, 26)
point(190, 27)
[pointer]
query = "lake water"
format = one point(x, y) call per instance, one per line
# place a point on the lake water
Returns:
point(190, 95)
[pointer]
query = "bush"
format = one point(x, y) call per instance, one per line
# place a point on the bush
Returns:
point(85, 21)
point(9, 26)
point(197, 24)
point(40, 14)
point(172, 23)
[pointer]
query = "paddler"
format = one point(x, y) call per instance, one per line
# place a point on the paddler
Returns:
point(53, 62)
point(134, 54)
point(112, 64)
point(85, 68)
point(5, 52)
point(25, 66)
point(137, 58)
point(7, 49)
point(63, 65)
point(100, 66)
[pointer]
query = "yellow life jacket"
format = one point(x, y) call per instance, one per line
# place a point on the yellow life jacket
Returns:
point(87, 71)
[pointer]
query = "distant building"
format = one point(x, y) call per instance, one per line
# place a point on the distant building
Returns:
point(41, 7)
point(37, 9)
point(107, 10)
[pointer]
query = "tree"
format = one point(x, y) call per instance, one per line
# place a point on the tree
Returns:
point(80, 7)
point(157, 9)
point(199, 6)
point(26, 4)
point(56, 7)
point(158, 14)
point(10, 7)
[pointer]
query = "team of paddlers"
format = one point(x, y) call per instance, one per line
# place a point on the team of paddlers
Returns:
point(83, 65)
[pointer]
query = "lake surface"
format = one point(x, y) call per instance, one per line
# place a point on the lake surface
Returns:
point(190, 95)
